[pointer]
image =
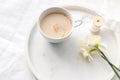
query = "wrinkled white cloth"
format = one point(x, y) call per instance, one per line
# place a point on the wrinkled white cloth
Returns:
point(12, 37)
point(17, 16)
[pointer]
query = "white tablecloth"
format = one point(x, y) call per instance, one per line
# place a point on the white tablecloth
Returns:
point(17, 16)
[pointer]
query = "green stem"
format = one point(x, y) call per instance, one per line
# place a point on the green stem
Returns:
point(111, 64)
point(104, 57)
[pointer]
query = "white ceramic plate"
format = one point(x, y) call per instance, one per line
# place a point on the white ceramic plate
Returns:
point(63, 61)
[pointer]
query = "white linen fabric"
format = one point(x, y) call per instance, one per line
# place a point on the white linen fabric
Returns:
point(17, 16)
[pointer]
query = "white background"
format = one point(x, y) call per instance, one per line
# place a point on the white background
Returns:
point(17, 16)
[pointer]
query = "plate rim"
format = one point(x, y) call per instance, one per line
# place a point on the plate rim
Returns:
point(29, 63)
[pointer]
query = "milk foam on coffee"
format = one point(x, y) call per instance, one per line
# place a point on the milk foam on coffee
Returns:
point(56, 25)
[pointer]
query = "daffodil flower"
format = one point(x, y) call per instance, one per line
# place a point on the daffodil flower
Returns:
point(93, 45)
point(89, 46)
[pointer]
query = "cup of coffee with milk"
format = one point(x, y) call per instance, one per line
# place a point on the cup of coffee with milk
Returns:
point(56, 24)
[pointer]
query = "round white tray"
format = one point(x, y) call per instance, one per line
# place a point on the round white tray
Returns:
point(63, 61)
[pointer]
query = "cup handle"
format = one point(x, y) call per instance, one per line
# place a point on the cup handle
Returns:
point(78, 23)
point(84, 19)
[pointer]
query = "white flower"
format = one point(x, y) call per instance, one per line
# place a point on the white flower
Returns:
point(85, 54)
point(90, 46)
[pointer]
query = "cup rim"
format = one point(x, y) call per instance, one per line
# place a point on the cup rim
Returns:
point(55, 38)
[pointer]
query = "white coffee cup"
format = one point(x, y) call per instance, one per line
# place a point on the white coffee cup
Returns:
point(59, 10)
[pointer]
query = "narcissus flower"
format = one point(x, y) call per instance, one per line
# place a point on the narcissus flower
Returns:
point(90, 46)
point(93, 45)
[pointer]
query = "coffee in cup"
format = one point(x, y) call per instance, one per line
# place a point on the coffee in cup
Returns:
point(56, 25)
